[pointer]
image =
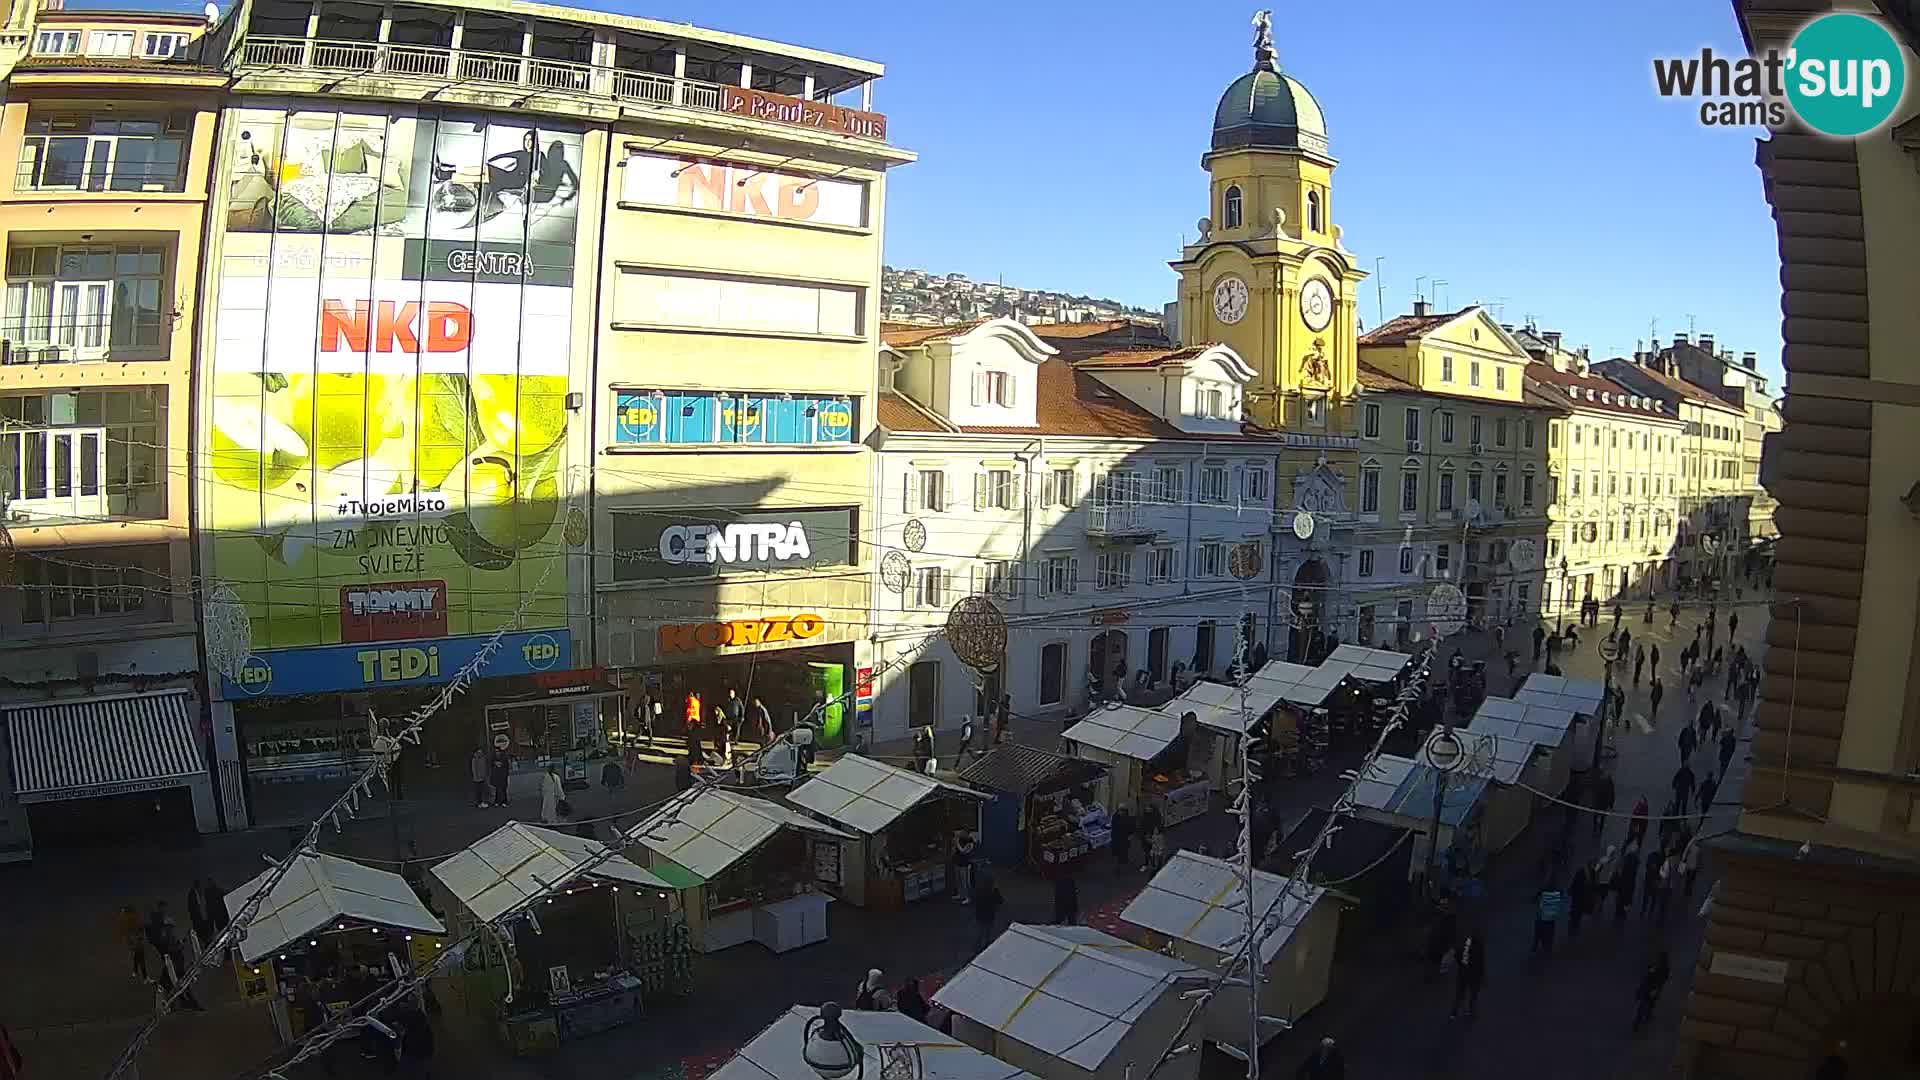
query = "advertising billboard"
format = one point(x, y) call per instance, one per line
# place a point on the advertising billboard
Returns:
point(654, 545)
point(388, 414)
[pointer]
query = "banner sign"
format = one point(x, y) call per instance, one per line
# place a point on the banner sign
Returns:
point(730, 188)
point(378, 666)
point(654, 545)
point(799, 112)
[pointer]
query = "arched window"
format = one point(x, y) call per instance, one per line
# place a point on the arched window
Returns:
point(1313, 212)
point(1230, 208)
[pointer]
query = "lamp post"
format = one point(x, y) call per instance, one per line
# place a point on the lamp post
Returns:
point(829, 1049)
point(1566, 587)
point(1443, 754)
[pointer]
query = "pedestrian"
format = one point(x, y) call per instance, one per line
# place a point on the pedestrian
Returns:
point(1326, 1062)
point(1151, 826)
point(1650, 882)
point(1625, 877)
point(1616, 616)
point(133, 935)
point(963, 848)
point(1693, 683)
point(1653, 657)
point(1626, 643)
point(1728, 743)
point(910, 1001)
point(477, 772)
point(1470, 972)
point(863, 994)
point(761, 720)
point(722, 737)
point(1003, 719)
point(164, 935)
point(1689, 865)
point(1674, 611)
point(1604, 869)
point(736, 713)
point(986, 909)
point(1664, 882)
point(612, 777)
point(1683, 781)
point(1637, 824)
point(1548, 903)
point(1539, 642)
point(1688, 742)
point(1442, 935)
point(1648, 617)
point(1670, 822)
point(1066, 899)
point(1579, 899)
point(500, 767)
point(552, 795)
point(1603, 796)
point(922, 749)
point(1639, 662)
point(1708, 787)
point(1122, 826)
point(1655, 693)
point(1647, 993)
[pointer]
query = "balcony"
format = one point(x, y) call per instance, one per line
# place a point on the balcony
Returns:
point(82, 339)
point(507, 71)
point(1121, 524)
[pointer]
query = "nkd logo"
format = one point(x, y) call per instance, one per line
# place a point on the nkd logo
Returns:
point(395, 326)
point(740, 542)
point(540, 652)
point(256, 675)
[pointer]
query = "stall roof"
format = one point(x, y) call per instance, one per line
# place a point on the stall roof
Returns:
point(1543, 725)
point(719, 828)
point(1404, 787)
point(319, 889)
point(1581, 696)
point(517, 861)
point(1217, 705)
point(1072, 992)
point(1493, 756)
point(1127, 730)
point(1022, 770)
point(1368, 665)
point(867, 796)
point(774, 1054)
point(1298, 683)
point(1198, 899)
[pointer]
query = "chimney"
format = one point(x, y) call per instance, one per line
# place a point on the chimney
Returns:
point(1553, 339)
point(1679, 340)
point(1421, 308)
point(1750, 359)
point(1706, 343)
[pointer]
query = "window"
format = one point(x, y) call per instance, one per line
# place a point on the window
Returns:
point(1060, 576)
point(57, 42)
point(1446, 426)
point(129, 583)
point(1473, 373)
point(1230, 208)
point(1576, 485)
point(1442, 557)
point(1526, 490)
point(1406, 560)
point(929, 587)
point(1553, 549)
point(1058, 487)
point(1370, 490)
point(1168, 484)
point(1500, 490)
point(995, 489)
point(1500, 431)
point(1409, 491)
point(1053, 672)
point(162, 46)
point(992, 388)
point(1526, 433)
point(1576, 434)
point(1413, 426)
point(1255, 486)
point(1643, 440)
point(1210, 403)
point(1613, 484)
point(926, 490)
point(75, 302)
point(1162, 564)
point(1473, 431)
point(1213, 484)
point(1446, 490)
point(1114, 570)
point(1553, 434)
point(1499, 377)
point(731, 418)
point(1366, 562)
point(1000, 578)
point(702, 302)
point(1446, 369)
point(1314, 216)
point(1613, 440)
point(109, 43)
point(1316, 406)
point(1370, 421)
point(1210, 559)
point(1473, 485)
point(84, 454)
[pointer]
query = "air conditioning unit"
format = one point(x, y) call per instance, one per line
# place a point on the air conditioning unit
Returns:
point(1477, 449)
point(1413, 446)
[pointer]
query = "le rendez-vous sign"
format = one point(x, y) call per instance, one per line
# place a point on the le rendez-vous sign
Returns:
point(781, 109)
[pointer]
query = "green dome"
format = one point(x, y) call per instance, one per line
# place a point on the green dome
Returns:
point(1268, 110)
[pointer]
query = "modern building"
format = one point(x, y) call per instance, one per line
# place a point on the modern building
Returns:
point(112, 132)
point(1453, 475)
point(1809, 947)
point(513, 325)
point(1613, 470)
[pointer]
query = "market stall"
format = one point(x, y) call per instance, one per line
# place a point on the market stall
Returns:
point(747, 868)
point(903, 823)
point(328, 928)
point(1216, 718)
point(1502, 762)
point(1073, 1003)
point(1043, 812)
point(1370, 861)
point(1581, 697)
point(1147, 753)
point(1400, 792)
point(1544, 726)
point(1376, 666)
point(600, 946)
point(1195, 910)
point(891, 1044)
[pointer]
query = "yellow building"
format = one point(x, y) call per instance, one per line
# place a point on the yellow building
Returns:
point(1613, 467)
point(111, 130)
point(1452, 474)
point(1809, 945)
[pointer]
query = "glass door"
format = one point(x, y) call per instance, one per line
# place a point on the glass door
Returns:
point(54, 474)
point(81, 319)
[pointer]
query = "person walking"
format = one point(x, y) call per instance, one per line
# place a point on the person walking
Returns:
point(477, 773)
point(986, 909)
point(1653, 657)
point(922, 749)
point(1683, 781)
point(1626, 644)
point(1637, 824)
point(164, 935)
point(1664, 884)
point(963, 849)
point(1650, 882)
point(1548, 904)
point(1066, 899)
point(1708, 787)
point(1639, 662)
point(133, 934)
point(1616, 616)
point(1728, 743)
point(1470, 973)
point(1647, 994)
point(1654, 694)
point(499, 768)
point(872, 984)
point(1674, 611)
point(1122, 826)
point(1326, 1062)
point(1579, 899)
point(552, 795)
point(1625, 877)
point(1539, 642)
point(1151, 829)
point(1603, 795)
point(1688, 743)
point(198, 917)
point(736, 714)
point(911, 1002)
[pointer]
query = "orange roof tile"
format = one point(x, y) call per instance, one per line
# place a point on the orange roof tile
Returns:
point(1679, 387)
point(897, 412)
point(1610, 395)
point(1073, 402)
point(1076, 329)
point(1138, 358)
point(907, 335)
point(1087, 339)
point(1372, 378)
point(1403, 328)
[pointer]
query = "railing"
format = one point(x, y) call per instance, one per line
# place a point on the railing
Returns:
point(1118, 520)
point(472, 66)
point(47, 340)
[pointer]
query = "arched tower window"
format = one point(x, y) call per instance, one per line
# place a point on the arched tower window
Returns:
point(1230, 208)
point(1313, 212)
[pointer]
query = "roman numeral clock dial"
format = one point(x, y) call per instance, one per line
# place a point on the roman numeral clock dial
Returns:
point(1230, 300)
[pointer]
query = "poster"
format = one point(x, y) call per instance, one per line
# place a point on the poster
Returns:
point(387, 434)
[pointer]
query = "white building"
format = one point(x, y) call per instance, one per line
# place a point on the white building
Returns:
point(1115, 509)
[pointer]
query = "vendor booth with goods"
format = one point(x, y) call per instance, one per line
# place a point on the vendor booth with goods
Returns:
point(876, 1045)
point(1300, 732)
point(1369, 680)
point(1195, 910)
point(1502, 762)
point(1401, 792)
point(1147, 753)
point(1073, 1003)
point(1043, 812)
point(1584, 698)
point(1544, 726)
point(589, 956)
point(903, 825)
point(1216, 719)
point(330, 930)
point(748, 869)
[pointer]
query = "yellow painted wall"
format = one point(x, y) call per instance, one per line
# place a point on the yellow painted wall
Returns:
point(1266, 181)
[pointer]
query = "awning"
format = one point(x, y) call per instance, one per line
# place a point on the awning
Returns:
point(1132, 732)
point(1368, 665)
point(1298, 683)
point(1511, 718)
point(1581, 696)
point(719, 828)
point(1217, 705)
point(867, 795)
point(1199, 899)
point(104, 746)
point(775, 1054)
point(321, 890)
point(517, 861)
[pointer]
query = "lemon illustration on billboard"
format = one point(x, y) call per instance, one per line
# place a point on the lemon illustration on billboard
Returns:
point(390, 378)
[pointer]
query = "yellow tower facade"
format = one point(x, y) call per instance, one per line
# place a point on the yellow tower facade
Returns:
point(1268, 275)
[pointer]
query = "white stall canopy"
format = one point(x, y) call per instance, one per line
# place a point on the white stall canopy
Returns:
point(719, 828)
point(319, 891)
point(867, 796)
point(1582, 696)
point(1299, 684)
point(1218, 706)
point(1198, 899)
point(1126, 730)
point(1497, 758)
point(1541, 725)
point(518, 861)
point(1404, 788)
point(774, 1054)
point(1367, 665)
point(1071, 992)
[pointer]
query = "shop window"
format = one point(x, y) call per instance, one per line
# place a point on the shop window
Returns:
point(127, 583)
point(107, 152)
point(1053, 672)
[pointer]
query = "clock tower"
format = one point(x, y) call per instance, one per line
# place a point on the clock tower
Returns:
point(1268, 275)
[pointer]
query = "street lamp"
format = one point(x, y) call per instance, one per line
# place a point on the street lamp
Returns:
point(829, 1049)
point(1566, 587)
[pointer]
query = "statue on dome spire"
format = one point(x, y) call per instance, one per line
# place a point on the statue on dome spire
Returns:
point(1263, 40)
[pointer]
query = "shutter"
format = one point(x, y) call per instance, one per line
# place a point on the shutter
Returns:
point(977, 574)
point(1017, 479)
point(909, 489)
point(979, 387)
point(1013, 385)
point(1073, 574)
point(1070, 498)
point(1015, 571)
point(946, 584)
point(1047, 494)
point(946, 490)
point(980, 491)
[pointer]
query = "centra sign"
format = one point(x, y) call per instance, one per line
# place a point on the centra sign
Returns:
point(740, 542)
point(687, 637)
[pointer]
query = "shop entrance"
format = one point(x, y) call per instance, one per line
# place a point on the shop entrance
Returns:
point(789, 682)
point(923, 695)
point(1309, 593)
point(163, 818)
point(1107, 663)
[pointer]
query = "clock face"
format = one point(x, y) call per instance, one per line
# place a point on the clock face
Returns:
point(1230, 300)
point(1316, 304)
